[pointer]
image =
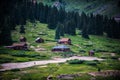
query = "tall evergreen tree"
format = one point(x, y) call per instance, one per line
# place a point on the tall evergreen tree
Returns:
point(5, 35)
point(85, 30)
point(22, 29)
point(83, 20)
point(99, 24)
point(53, 18)
point(61, 15)
point(70, 27)
point(57, 32)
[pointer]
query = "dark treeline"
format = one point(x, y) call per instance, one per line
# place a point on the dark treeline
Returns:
point(16, 12)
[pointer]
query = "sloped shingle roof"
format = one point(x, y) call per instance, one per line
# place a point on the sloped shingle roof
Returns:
point(61, 47)
point(64, 39)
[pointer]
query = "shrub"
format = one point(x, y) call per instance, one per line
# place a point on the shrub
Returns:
point(104, 57)
point(82, 51)
point(75, 61)
point(100, 50)
point(114, 57)
point(5, 59)
point(116, 50)
point(19, 54)
point(33, 55)
point(97, 61)
point(91, 63)
point(14, 70)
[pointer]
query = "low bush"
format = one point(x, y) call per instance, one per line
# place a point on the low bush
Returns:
point(19, 54)
point(114, 57)
point(116, 50)
point(91, 63)
point(32, 55)
point(97, 61)
point(82, 51)
point(100, 50)
point(75, 61)
point(26, 54)
point(14, 70)
point(67, 54)
point(5, 59)
point(104, 57)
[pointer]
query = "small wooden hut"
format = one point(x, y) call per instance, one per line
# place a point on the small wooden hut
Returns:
point(18, 46)
point(39, 40)
point(61, 48)
point(91, 53)
point(23, 39)
point(65, 41)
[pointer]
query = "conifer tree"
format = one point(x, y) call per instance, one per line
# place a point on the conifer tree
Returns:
point(57, 33)
point(70, 27)
point(5, 35)
point(83, 20)
point(85, 30)
point(59, 30)
point(22, 29)
point(53, 18)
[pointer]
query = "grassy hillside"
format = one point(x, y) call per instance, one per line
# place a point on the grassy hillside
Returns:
point(105, 7)
point(80, 46)
point(78, 43)
point(103, 48)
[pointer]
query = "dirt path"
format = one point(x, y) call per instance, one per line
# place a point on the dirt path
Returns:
point(9, 66)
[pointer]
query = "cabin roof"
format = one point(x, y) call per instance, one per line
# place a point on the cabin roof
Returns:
point(61, 47)
point(64, 39)
point(19, 44)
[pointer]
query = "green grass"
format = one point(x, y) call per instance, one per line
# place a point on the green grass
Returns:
point(41, 73)
point(103, 47)
point(98, 43)
point(7, 55)
point(38, 73)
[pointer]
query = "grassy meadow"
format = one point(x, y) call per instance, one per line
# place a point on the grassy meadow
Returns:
point(102, 46)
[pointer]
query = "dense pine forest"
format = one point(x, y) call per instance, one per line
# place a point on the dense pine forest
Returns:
point(17, 12)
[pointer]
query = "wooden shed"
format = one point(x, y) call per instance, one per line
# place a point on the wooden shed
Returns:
point(23, 39)
point(91, 53)
point(117, 18)
point(60, 48)
point(18, 46)
point(65, 41)
point(39, 40)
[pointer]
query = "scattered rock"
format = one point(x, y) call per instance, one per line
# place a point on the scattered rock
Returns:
point(93, 78)
point(49, 77)
point(40, 49)
point(106, 73)
point(113, 54)
point(67, 76)
point(32, 47)
point(16, 79)
point(119, 59)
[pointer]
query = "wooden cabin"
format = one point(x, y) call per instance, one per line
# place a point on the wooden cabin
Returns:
point(18, 46)
point(117, 18)
point(61, 48)
point(91, 53)
point(23, 39)
point(39, 40)
point(65, 41)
